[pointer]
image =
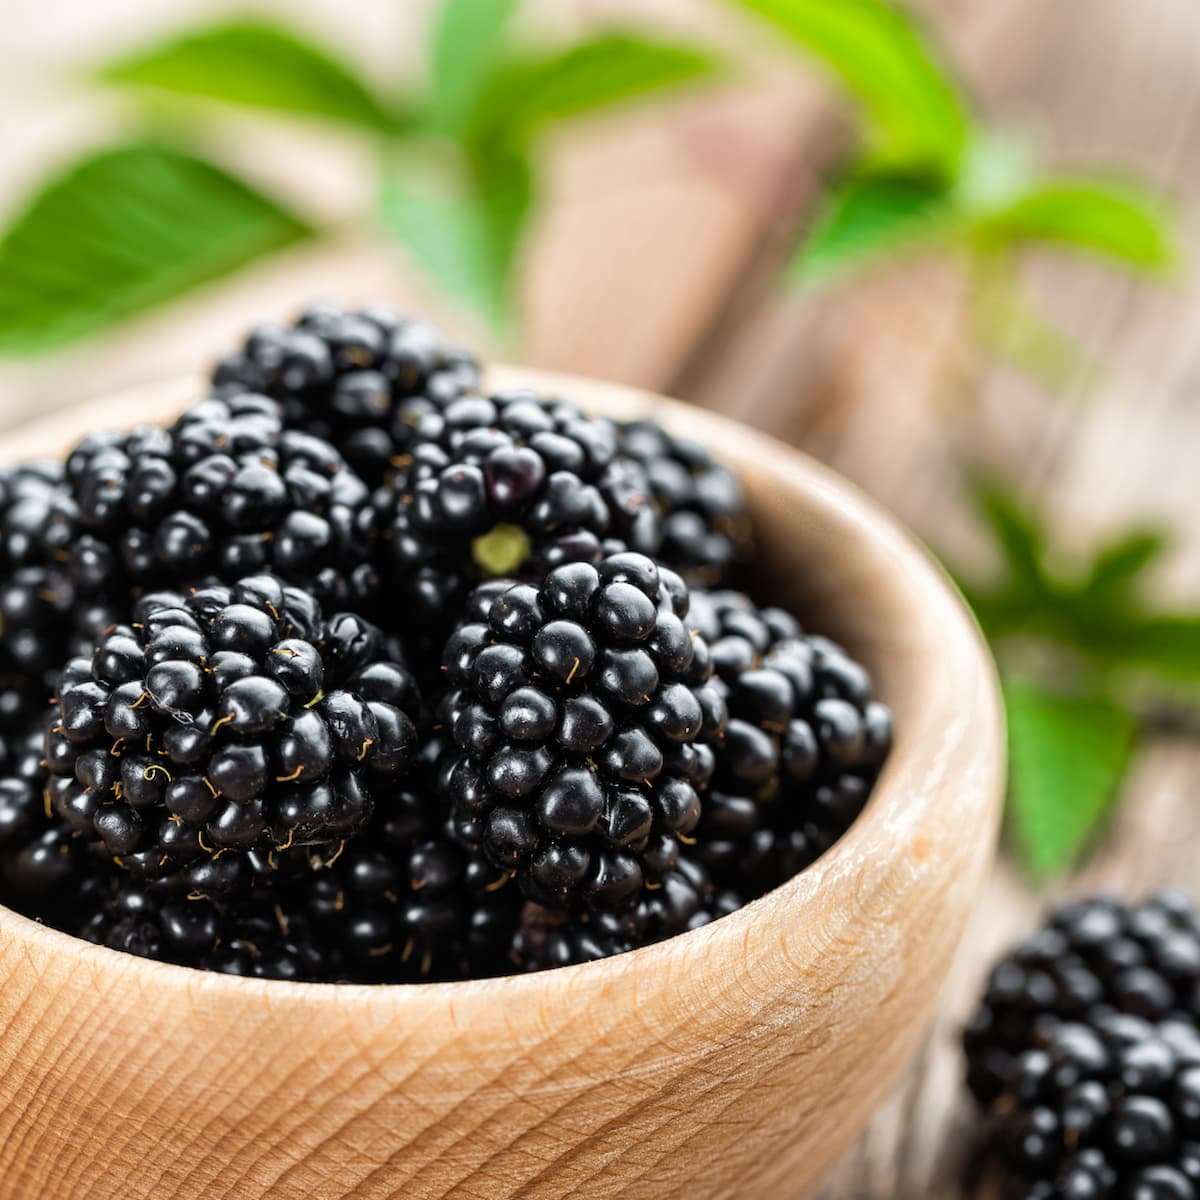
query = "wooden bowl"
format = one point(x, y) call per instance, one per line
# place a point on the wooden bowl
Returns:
point(738, 1060)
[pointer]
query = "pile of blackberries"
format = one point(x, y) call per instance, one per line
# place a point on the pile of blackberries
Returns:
point(1086, 1054)
point(359, 672)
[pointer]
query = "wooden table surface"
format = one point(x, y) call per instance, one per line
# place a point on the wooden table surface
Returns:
point(869, 379)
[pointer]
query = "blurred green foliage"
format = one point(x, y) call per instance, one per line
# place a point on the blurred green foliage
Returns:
point(459, 161)
point(927, 174)
point(1078, 644)
point(1090, 663)
point(133, 225)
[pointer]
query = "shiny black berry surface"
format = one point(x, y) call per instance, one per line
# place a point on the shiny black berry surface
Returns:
point(503, 485)
point(580, 709)
point(226, 492)
point(1086, 1053)
point(705, 525)
point(225, 721)
point(345, 376)
point(37, 600)
point(685, 899)
point(801, 750)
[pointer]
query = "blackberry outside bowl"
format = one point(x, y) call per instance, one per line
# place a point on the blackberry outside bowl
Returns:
point(739, 1060)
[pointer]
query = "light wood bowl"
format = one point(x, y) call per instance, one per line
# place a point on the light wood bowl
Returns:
point(737, 1061)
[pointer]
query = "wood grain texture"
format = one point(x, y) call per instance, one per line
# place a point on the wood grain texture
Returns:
point(738, 1060)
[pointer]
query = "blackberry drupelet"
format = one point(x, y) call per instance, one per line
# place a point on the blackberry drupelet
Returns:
point(414, 909)
point(503, 485)
point(579, 709)
point(803, 745)
point(36, 598)
point(345, 376)
point(224, 722)
point(706, 530)
point(1094, 957)
point(686, 900)
point(225, 492)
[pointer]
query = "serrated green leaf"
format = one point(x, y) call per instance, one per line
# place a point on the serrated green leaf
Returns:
point(468, 42)
point(256, 65)
point(912, 108)
point(1105, 219)
point(868, 219)
point(121, 231)
point(1068, 757)
point(609, 69)
point(466, 236)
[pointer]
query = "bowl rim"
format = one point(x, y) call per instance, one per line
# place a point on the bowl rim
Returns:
point(835, 497)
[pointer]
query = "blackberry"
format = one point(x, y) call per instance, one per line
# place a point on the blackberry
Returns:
point(494, 486)
point(267, 941)
point(579, 709)
point(405, 902)
point(1086, 1053)
point(36, 598)
point(259, 936)
point(224, 493)
point(803, 745)
point(22, 812)
point(224, 721)
point(48, 875)
point(1094, 957)
point(706, 530)
point(345, 376)
point(1110, 1108)
point(419, 909)
point(686, 900)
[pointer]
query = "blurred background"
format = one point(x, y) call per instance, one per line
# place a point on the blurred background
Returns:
point(947, 247)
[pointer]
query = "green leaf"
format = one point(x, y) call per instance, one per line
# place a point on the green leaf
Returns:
point(256, 65)
point(913, 112)
point(1068, 757)
point(1018, 534)
point(1103, 219)
point(995, 169)
point(467, 237)
point(121, 231)
point(867, 219)
point(998, 612)
point(467, 44)
point(1166, 643)
point(609, 69)
point(1120, 563)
